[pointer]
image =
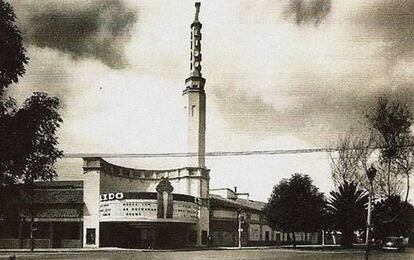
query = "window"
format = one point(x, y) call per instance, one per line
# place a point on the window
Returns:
point(278, 237)
point(90, 236)
point(192, 110)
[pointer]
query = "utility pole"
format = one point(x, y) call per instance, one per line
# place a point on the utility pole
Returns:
point(323, 237)
point(371, 172)
point(32, 215)
point(240, 218)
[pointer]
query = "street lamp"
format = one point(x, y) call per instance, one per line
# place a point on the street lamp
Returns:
point(371, 172)
point(240, 218)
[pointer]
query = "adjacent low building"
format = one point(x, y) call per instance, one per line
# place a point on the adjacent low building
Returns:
point(229, 210)
point(58, 216)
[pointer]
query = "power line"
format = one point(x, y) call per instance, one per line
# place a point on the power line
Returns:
point(217, 154)
point(208, 154)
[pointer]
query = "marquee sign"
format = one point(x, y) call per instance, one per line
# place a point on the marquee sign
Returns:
point(145, 206)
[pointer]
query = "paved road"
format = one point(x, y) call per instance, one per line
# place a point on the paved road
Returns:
point(216, 254)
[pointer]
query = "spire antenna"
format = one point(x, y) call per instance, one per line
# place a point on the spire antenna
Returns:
point(197, 6)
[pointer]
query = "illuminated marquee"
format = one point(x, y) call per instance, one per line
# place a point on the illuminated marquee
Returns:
point(143, 206)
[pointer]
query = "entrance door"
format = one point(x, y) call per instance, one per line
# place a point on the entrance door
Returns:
point(133, 235)
point(171, 236)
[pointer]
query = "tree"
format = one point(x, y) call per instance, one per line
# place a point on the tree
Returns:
point(28, 147)
point(347, 208)
point(390, 122)
point(405, 164)
point(389, 145)
point(12, 53)
point(393, 217)
point(38, 120)
point(28, 136)
point(295, 205)
point(349, 160)
point(28, 139)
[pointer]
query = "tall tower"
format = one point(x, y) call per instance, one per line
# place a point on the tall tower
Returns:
point(196, 98)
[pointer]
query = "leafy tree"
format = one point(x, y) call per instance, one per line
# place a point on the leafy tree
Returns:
point(12, 53)
point(28, 146)
point(38, 121)
point(389, 145)
point(28, 136)
point(347, 208)
point(393, 217)
point(390, 122)
point(295, 205)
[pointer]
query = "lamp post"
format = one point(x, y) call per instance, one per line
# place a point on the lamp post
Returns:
point(240, 218)
point(371, 172)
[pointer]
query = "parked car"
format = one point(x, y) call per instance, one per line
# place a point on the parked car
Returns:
point(395, 243)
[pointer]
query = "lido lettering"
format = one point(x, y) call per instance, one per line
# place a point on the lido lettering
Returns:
point(112, 196)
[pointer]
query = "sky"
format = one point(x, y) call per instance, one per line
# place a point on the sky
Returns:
point(283, 74)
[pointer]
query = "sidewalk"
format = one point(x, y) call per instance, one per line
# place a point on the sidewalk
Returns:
point(43, 250)
point(115, 249)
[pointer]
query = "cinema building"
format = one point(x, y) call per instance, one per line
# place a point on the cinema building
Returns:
point(129, 212)
point(116, 206)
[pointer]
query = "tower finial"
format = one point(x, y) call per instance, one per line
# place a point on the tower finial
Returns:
point(197, 6)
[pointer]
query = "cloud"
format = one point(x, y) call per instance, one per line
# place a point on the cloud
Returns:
point(252, 113)
point(68, 39)
point(317, 83)
point(89, 29)
point(48, 71)
point(308, 11)
point(391, 22)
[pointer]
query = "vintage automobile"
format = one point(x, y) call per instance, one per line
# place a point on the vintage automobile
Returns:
point(395, 243)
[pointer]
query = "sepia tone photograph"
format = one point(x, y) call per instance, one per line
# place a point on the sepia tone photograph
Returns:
point(182, 129)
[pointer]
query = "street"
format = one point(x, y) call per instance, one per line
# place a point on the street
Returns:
point(215, 254)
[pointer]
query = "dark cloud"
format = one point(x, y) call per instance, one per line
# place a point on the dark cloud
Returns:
point(391, 22)
point(90, 29)
point(308, 11)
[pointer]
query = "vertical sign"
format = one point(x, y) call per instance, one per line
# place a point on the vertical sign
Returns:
point(165, 200)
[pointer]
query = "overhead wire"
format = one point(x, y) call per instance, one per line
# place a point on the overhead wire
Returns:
point(215, 154)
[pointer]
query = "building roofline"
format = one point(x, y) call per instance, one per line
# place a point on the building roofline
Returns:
point(142, 170)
